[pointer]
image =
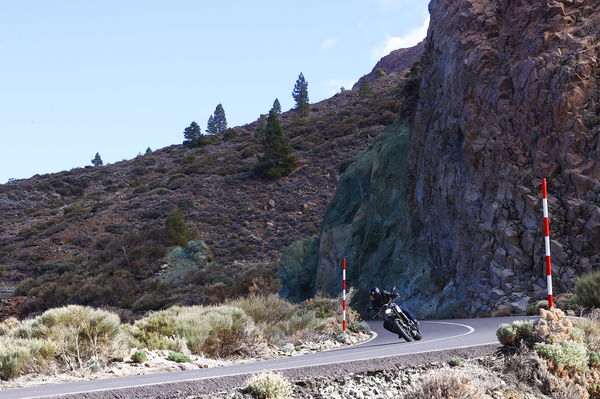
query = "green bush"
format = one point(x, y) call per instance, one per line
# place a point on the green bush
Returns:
point(533, 309)
point(594, 359)
point(230, 134)
point(567, 355)
point(506, 333)
point(178, 230)
point(577, 335)
point(363, 327)
point(455, 362)
point(139, 356)
point(179, 357)
point(510, 334)
point(323, 307)
point(188, 159)
point(587, 290)
point(74, 210)
point(270, 385)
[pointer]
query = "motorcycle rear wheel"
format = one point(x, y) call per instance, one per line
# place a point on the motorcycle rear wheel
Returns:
point(401, 331)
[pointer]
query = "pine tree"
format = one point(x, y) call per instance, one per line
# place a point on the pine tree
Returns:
point(277, 106)
point(220, 119)
point(278, 158)
point(211, 126)
point(192, 134)
point(364, 88)
point(261, 126)
point(179, 232)
point(300, 94)
point(217, 122)
point(148, 151)
point(97, 161)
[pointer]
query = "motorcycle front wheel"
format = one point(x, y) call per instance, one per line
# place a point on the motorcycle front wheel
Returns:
point(401, 331)
point(416, 334)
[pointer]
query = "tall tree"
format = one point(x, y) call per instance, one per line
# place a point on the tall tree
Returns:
point(364, 87)
point(261, 126)
point(220, 119)
point(300, 94)
point(97, 161)
point(211, 126)
point(277, 106)
point(217, 122)
point(278, 158)
point(192, 134)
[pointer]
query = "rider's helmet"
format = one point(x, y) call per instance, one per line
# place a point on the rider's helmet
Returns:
point(375, 293)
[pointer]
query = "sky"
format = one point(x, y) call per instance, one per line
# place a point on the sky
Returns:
point(118, 76)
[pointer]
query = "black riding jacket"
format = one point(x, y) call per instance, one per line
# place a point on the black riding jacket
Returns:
point(384, 298)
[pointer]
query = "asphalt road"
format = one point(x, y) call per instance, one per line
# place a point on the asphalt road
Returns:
point(437, 336)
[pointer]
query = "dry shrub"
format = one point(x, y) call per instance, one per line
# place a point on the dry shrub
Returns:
point(281, 321)
point(219, 331)
point(448, 384)
point(591, 331)
point(268, 309)
point(269, 385)
point(9, 324)
point(18, 356)
point(82, 335)
point(553, 326)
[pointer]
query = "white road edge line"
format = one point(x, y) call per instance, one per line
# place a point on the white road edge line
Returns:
point(471, 330)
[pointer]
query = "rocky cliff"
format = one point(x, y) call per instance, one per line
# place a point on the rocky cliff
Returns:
point(398, 61)
point(509, 94)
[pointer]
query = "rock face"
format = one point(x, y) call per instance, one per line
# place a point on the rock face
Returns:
point(397, 61)
point(509, 94)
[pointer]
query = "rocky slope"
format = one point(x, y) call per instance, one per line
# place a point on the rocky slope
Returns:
point(509, 94)
point(397, 61)
point(97, 235)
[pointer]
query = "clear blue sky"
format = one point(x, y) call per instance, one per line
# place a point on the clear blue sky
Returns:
point(84, 76)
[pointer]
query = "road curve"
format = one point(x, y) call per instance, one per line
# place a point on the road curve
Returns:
point(437, 336)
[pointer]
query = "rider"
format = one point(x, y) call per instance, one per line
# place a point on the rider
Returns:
point(380, 298)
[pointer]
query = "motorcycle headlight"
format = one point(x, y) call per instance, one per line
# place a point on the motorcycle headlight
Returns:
point(388, 311)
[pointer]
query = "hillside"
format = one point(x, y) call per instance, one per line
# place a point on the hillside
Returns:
point(449, 207)
point(96, 235)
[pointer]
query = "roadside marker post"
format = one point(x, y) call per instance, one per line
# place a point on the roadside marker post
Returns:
point(344, 294)
point(547, 243)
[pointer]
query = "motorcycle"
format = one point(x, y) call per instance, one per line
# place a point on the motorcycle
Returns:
point(406, 327)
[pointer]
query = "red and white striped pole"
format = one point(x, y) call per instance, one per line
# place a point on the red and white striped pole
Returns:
point(344, 295)
point(547, 243)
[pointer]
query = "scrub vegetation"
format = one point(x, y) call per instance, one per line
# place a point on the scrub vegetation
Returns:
point(557, 349)
point(78, 337)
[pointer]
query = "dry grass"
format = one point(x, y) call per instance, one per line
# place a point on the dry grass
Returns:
point(591, 330)
point(448, 384)
point(270, 385)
